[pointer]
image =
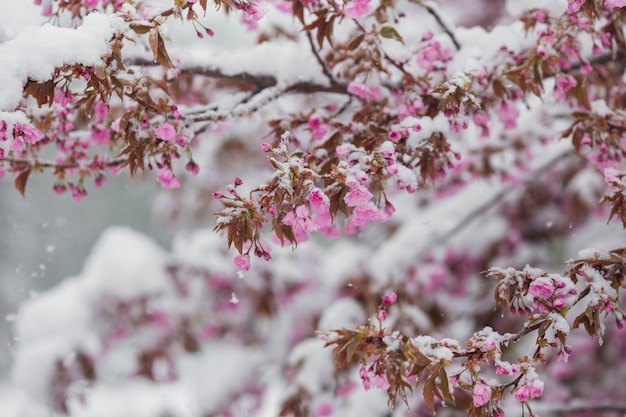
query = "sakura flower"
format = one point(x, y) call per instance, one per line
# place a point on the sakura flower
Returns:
point(394, 135)
point(574, 6)
point(535, 388)
point(242, 262)
point(363, 91)
point(610, 175)
point(615, 3)
point(541, 288)
point(167, 178)
point(316, 128)
point(24, 134)
point(357, 9)
point(165, 132)
point(100, 136)
point(482, 395)
point(373, 379)
point(433, 53)
point(300, 222)
point(318, 199)
point(522, 394)
point(362, 215)
point(389, 299)
point(507, 113)
point(357, 196)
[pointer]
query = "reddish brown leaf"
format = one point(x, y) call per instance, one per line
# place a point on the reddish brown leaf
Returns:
point(20, 181)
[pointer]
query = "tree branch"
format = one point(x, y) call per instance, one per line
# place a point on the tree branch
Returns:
point(35, 163)
point(567, 409)
point(483, 208)
point(440, 22)
point(320, 61)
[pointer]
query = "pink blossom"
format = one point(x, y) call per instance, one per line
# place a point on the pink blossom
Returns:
point(167, 178)
point(318, 199)
point(324, 410)
point(522, 394)
point(389, 299)
point(192, 167)
point(482, 395)
point(165, 132)
point(301, 222)
point(541, 288)
point(357, 196)
point(535, 388)
point(343, 150)
point(481, 118)
point(382, 315)
point(394, 135)
point(574, 5)
point(558, 303)
point(431, 54)
point(372, 379)
point(540, 15)
point(91, 3)
point(100, 136)
point(24, 134)
point(362, 215)
point(615, 3)
point(242, 262)
point(316, 128)
point(611, 174)
point(508, 115)
point(357, 9)
point(363, 91)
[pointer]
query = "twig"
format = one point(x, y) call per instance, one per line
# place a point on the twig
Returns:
point(567, 409)
point(35, 163)
point(440, 22)
point(319, 60)
point(483, 208)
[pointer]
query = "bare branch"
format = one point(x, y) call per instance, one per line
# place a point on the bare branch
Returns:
point(35, 163)
point(568, 409)
point(484, 208)
point(320, 61)
point(440, 22)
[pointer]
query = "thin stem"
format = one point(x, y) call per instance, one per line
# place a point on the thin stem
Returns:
point(320, 61)
point(440, 22)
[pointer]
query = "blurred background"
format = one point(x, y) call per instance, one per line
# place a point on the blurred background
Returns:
point(46, 238)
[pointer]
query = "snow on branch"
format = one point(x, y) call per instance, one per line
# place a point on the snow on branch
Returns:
point(35, 53)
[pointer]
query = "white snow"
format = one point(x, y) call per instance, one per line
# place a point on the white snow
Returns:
point(37, 51)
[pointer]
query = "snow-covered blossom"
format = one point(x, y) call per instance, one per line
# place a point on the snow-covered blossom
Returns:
point(356, 9)
point(481, 395)
point(542, 288)
point(357, 196)
point(428, 57)
point(318, 199)
point(165, 132)
point(363, 91)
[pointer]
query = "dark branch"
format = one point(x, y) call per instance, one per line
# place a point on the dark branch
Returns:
point(485, 207)
point(440, 22)
point(320, 61)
